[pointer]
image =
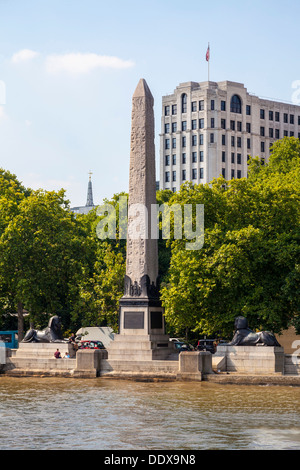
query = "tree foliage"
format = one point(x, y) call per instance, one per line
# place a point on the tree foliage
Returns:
point(249, 264)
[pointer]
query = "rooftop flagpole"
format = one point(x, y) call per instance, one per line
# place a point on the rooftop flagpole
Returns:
point(207, 59)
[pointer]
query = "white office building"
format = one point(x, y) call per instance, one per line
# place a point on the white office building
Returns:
point(209, 129)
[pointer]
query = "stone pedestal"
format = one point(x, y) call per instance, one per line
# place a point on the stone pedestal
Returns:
point(254, 360)
point(89, 361)
point(193, 365)
point(141, 332)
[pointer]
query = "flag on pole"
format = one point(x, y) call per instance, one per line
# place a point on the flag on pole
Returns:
point(207, 53)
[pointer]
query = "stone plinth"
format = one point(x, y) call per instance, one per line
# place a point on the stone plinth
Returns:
point(89, 362)
point(42, 350)
point(253, 360)
point(194, 364)
point(142, 347)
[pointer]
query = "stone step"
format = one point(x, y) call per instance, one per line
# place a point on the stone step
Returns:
point(109, 366)
point(42, 364)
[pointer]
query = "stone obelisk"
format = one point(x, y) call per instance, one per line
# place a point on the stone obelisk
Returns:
point(141, 321)
point(142, 254)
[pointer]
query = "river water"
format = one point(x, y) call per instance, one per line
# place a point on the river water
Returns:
point(109, 414)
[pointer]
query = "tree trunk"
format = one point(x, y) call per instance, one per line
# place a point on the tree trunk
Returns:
point(20, 322)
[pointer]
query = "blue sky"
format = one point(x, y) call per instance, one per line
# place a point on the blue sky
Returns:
point(70, 68)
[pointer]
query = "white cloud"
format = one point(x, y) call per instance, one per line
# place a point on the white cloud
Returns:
point(78, 63)
point(23, 56)
point(3, 115)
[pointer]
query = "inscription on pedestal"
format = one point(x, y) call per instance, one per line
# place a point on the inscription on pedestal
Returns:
point(134, 320)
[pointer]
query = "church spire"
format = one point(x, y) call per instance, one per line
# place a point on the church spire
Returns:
point(89, 201)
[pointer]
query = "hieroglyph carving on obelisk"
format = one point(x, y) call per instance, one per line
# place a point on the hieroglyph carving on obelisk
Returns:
point(142, 252)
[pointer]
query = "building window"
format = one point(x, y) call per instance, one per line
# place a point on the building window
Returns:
point(201, 123)
point(232, 125)
point(248, 110)
point(223, 139)
point(292, 134)
point(174, 109)
point(167, 176)
point(262, 114)
point(174, 143)
point(292, 119)
point(232, 158)
point(298, 120)
point(239, 174)
point(184, 141)
point(223, 123)
point(232, 141)
point(201, 173)
point(167, 143)
point(232, 173)
point(248, 127)
point(277, 116)
point(200, 139)
point(167, 160)
point(212, 105)
point(212, 138)
point(285, 118)
point(248, 143)
point(285, 134)
point(194, 157)
point(194, 106)
point(173, 175)
point(223, 172)
point(183, 175)
point(194, 173)
point(194, 140)
point(271, 115)
point(262, 147)
point(236, 104)
point(223, 105)
point(223, 157)
point(271, 132)
point(184, 103)
point(167, 128)
point(212, 123)
point(174, 126)
point(174, 190)
point(194, 124)
point(277, 134)
point(262, 131)
point(174, 159)
point(167, 110)
point(183, 158)
point(201, 105)
point(239, 158)
point(183, 126)
point(239, 126)
point(201, 156)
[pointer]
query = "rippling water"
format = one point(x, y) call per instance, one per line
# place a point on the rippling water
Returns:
point(106, 414)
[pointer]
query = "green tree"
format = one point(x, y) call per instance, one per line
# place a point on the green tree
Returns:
point(42, 255)
point(249, 263)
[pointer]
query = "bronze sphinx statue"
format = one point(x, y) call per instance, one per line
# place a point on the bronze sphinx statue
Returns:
point(51, 334)
point(243, 336)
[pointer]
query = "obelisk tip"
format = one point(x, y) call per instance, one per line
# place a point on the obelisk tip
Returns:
point(142, 90)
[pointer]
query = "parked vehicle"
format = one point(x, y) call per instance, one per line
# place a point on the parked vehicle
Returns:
point(180, 346)
point(91, 345)
point(9, 338)
point(206, 345)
